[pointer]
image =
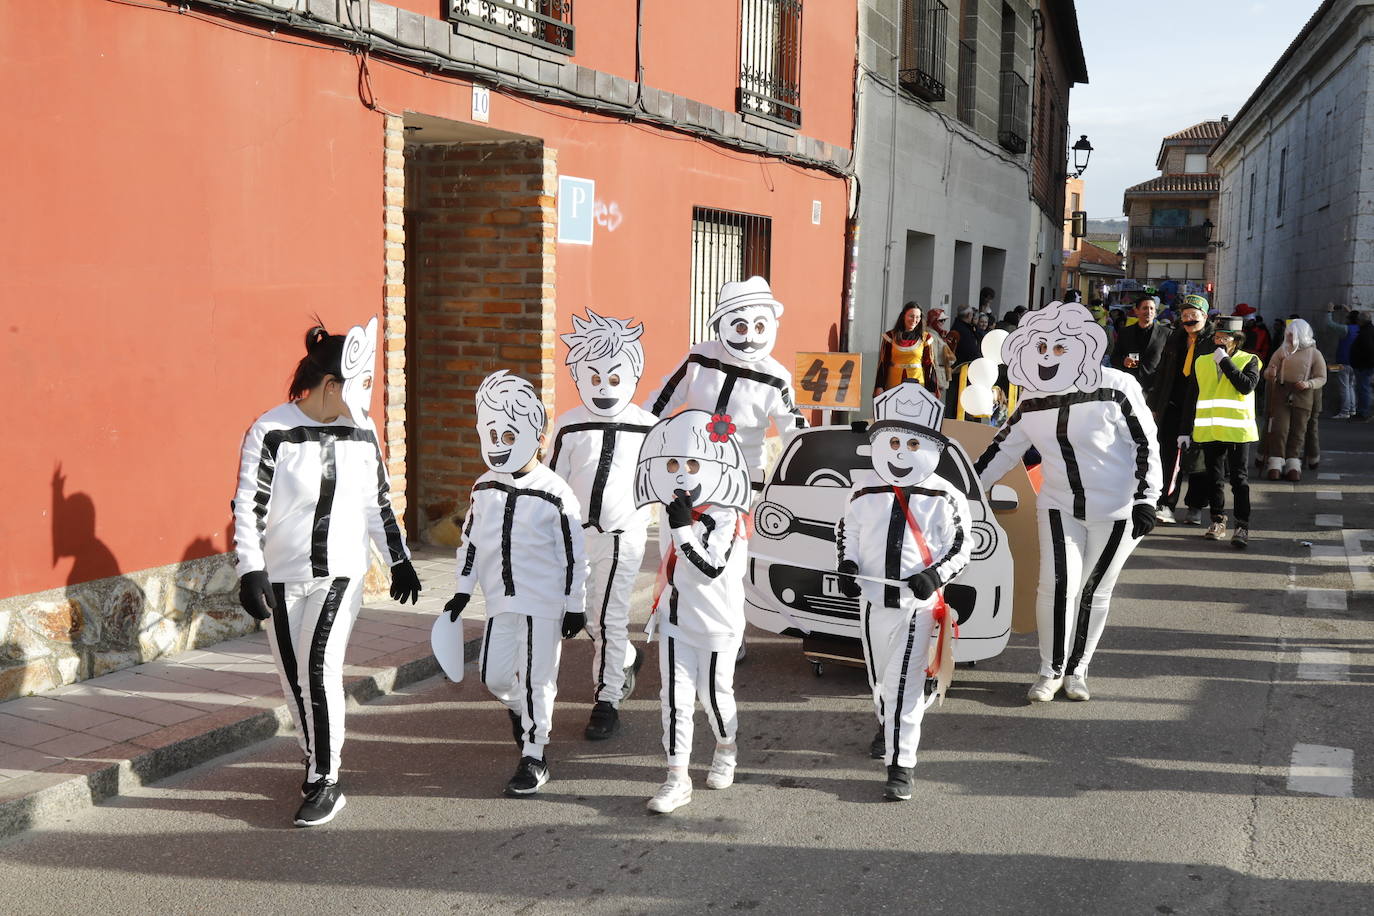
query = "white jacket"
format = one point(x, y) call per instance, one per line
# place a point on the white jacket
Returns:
point(752, 394)
point(309, 497)
point(523, 543)
point(703, 601)
point(1098, 449)
point(597, 455)
point(876, 535)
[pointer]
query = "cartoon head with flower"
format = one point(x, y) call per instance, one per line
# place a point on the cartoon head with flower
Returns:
point(696, 453)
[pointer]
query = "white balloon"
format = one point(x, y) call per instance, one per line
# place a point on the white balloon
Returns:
point(977, 401)
point(982, 372)
point(992, 344)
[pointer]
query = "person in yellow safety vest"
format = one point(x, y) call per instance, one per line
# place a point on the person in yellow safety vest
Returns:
point(1223, 425)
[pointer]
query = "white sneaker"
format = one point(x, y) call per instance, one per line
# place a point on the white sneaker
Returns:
point(1044, 689)
point(722, 774)
point(673, 794)
point(1165, 516)
point(1076, 687)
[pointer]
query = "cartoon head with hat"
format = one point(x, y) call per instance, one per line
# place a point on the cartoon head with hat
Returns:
point(746, 318)
point(905, 440)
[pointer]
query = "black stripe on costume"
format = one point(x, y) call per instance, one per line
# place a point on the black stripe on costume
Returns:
point(995, 445)
point(892, 567)
point(867, 614)
point(486, 650)
point(1061, 611)
point(738, 372)
point(1104, 562)
point(1075, 478)
point(319, 530)
point(267, 469)
point(567, 552)
point(715, 707)
point(1142, 449)
point(896, 744)
point(601, 625)
point(529, 674)
point(672, 699)
point(727, 388)
point(669, 387)
point(703, 567)
point(507, 525)
point(603, 470)
point(471, 552)
point(957, 543)
point(319, 706)
point(281, 627)
point(395, 545)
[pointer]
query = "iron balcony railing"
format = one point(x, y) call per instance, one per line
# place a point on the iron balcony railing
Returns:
point(1168, 237)
point(1013, 114)
point(922, 68)
point(968, 81)
point(770, 60)
point(547, 23)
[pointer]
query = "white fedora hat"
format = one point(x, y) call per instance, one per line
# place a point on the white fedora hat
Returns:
point(743, 293)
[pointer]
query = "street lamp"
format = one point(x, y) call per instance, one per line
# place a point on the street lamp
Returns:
point(1208, 227)
point(1082, 152)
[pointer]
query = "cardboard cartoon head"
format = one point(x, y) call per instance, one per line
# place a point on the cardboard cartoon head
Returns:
point(904, 454)
point(1056, 349)
point(357, 365)
point(746, 318)
point(606, 360)
point(695, 452)
point(909, 402)
point(510, 421)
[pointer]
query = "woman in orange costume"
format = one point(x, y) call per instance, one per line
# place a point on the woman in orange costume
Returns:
point(907, 351)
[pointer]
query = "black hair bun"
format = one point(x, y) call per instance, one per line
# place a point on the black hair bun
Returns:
point(315, 338)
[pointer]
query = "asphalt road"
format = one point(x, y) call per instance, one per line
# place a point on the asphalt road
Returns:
point(1188, 784)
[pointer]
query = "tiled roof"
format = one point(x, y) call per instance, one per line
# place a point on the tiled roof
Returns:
point(1206, 130)
point(1179, 184)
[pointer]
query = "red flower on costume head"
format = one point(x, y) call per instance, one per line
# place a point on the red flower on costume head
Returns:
point(720, 427)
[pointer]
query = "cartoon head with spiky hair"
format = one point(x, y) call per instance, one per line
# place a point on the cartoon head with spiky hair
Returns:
point(606, 360)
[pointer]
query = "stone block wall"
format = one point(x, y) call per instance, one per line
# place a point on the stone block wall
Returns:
point(481, 226)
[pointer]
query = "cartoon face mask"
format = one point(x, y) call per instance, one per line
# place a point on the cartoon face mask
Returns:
point(357, 362)
point(606, 360)
point(749, 333)
point(693, 476)
point(904, 455)
point(606, 385)
point(688, 452)
point(1056, 349)
point(510, 422)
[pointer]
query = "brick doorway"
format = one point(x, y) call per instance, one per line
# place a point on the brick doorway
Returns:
point(479, 255)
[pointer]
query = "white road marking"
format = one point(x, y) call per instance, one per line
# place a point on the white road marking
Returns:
point(1361, 557)
point(1329, 495)
point(1325, 599)
point(1323, 665)
point(1326, 476)
point(1322, 770)
point(1330, 521)
point(1326, 552)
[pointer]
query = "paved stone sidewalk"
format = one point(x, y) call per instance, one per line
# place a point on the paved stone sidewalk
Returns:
point(77, 745)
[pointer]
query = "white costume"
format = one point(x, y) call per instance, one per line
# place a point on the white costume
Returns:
point(1100, 461)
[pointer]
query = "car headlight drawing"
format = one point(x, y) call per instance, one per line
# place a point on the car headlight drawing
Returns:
point(772, 520)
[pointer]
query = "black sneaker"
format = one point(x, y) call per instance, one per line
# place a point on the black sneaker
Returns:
point(325, 799)
point(517, 730)
point(529, 776)
point(898, 786)
point(878, 748)
point(1241, 539)
point(631, 670)
point(604, 723)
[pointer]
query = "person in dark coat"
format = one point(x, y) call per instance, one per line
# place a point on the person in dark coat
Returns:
point(1362, 359)
point(966, 348)
point(1140, 346)
point(1172, 400)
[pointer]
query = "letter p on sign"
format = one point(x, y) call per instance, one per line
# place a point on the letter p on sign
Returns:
point(576, 220)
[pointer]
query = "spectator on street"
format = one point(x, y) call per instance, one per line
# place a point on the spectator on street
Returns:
point(966, 347)
point(943, 342)
point(1171, 401)
point(1140, 346)
point(1332, 332)
point(1362, 358)
point(908, 350)
point(1298, 372)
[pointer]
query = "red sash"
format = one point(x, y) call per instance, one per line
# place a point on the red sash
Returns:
point(948, 628)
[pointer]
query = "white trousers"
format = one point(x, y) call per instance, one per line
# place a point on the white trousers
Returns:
point(308, 633)
point(687, 674)
point(614, 563)
point(1079, 565)
point(896, 645)
point(520, 667)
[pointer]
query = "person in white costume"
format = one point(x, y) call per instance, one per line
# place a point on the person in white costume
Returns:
point(911, 532)
point(692, 465)
point(523, 544)
point(312, 492)
point(595, 448)
point(735, 377)
point(1100, 464)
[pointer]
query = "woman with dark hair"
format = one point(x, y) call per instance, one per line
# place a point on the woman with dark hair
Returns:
point(908, 350)
point(312, 491)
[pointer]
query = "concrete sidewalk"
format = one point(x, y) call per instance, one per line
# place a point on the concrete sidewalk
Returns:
point(76, 746)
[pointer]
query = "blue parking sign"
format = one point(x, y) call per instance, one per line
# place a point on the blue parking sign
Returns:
point(576, 198)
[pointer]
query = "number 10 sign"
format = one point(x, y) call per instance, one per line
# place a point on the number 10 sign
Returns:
point(829, 380)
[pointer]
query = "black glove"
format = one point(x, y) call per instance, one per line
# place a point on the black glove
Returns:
point(849, 586)
point(404, 583)
point(1142, 519)
point(573, 623)
point(255, 595)
point(923, 584)
point(680, 510)
point(455, 605)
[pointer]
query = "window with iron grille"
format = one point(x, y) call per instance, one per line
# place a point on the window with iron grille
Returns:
point(1250, 208)
point(547, 23)
point(968, 62)
point(1283, 176)
point(726, 246)
point(922, 68)
point(770, 60)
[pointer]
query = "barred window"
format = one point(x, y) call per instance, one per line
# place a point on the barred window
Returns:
point(547, 23)
point(922, 68)
point(726, 246)
point(770, 59)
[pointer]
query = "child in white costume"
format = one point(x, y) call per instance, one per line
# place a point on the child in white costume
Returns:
point(1100, 463)
point(523, 543)
point(913, 532)
point(595, 448)
point(734, 377)
point(692, 464)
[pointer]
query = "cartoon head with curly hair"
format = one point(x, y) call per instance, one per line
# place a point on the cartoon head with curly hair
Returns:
point(510, 421)
point(1056, 349)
